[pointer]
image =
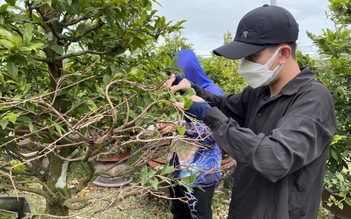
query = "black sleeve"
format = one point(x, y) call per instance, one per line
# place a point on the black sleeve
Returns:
point(299, 137)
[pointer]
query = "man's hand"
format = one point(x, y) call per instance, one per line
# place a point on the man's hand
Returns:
point(177, 82)
point(166, 127)
point(194, 98)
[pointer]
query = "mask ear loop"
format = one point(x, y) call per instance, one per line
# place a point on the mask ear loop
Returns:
point(271, 60)
point(279, 66)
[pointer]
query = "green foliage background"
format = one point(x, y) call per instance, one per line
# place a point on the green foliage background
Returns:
point(80, 79)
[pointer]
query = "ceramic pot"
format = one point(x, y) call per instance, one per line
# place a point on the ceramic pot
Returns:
point(109, 165)
point(116, 157)
point(113, 169)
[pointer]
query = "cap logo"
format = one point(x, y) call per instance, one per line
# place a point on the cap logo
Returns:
point(245, 34)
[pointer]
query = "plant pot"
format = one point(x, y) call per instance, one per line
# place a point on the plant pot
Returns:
point(344, 213)
point(116, 157)
point(14, 206)
point(26, 154)
point(113, 169)
point(108, 164)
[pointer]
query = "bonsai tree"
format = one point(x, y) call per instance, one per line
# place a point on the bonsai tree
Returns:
point(77, 82)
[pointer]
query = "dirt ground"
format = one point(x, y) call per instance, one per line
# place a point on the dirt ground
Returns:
point(132, 207)
point(136, 207)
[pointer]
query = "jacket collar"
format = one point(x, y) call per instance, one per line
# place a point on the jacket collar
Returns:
point(293, 86)
point(301, 79)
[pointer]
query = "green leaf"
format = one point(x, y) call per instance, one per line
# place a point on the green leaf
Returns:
point(337, 138)
point(345, 153)
point(188, 188)
point(339, 177)
point(91, 104)
point(58, 128)
point(18, 127)
point(19, 59)
point(6, 34)
point(76, 7)
point(12, 117)
point(166, 179)
point(181, 129)
point(24, 119)
point(11, 2)
point(154, 183)
point(188, 180)
point(348, 201)
point(17, 96)
point(340, 205)
point(334, 154)
point(84, 3)
point(3, 8)
point(151, 173)
point(39, 45)
point(106, 79)
point(187, 104)
point(31, 127)
point(58, 49)
point(190, 92)
point(13, 70)
point(5, 43)
point(172, 97)
point(167, 169)
point(3, 123)
point(30, 106)
point(143, 175)
point(28, 33)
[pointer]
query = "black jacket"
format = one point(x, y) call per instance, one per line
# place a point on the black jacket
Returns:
point(280, 144)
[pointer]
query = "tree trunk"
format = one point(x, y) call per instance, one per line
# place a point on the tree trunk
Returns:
point(55, 209)
point(57, 183)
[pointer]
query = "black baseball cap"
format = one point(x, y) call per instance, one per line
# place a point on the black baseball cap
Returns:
point(261, 27)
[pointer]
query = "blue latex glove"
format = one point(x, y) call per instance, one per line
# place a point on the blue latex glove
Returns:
point(179, 78)
point(198, 109)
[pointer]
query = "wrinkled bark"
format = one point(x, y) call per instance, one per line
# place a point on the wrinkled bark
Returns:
point(55, 181)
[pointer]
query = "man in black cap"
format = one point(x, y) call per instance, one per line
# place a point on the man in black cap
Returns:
point(278, 129)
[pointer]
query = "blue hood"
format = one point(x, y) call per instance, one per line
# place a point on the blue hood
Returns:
point(193, 71)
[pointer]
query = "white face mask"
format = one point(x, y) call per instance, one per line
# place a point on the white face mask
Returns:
point(257, 75)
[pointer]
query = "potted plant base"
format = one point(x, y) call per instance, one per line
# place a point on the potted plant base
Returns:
point(344, 213)
point(109, 165)
point(113, 169)
point(116, 157)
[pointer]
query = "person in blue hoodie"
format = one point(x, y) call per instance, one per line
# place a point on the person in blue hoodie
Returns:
point(190, 65)
point(198, 154)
